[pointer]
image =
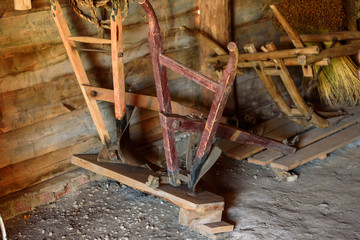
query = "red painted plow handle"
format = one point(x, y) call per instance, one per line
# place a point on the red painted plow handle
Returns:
point(222, 91)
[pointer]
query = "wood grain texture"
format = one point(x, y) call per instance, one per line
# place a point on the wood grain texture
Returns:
point(194, 219)
point(136, 177)
point(216, 227)
point(215, 22)
point(50, 135)
point(244, 151)
point(35, 170)
point(306, 138)
point(318, 149)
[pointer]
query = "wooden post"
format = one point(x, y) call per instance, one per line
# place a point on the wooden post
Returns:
point(22, 4)
point(79, 70)
point(215, 19)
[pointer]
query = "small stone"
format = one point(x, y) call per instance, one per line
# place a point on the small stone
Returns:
point(43, 231)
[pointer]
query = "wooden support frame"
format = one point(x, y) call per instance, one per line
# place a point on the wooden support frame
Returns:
point(295, 95)
point(295, 38)
point(209, 129)
point(326, 37)
point(79, 70)
point(201, 212)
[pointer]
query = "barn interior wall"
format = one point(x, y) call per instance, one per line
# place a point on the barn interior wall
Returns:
point(44, 119)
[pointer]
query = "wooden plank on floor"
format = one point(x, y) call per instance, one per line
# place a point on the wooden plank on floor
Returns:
point(336, 124)
point(136, 177)
point(279, 133)
point(216, 227)
point(318, 149)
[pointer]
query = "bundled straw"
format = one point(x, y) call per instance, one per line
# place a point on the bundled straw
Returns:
point(338, 84)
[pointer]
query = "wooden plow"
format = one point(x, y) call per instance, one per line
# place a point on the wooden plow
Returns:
point(207, 152)
point(211, 128)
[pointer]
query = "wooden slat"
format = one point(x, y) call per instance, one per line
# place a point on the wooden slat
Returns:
point(193, 219)
point(326, 37)
point(216, 227)
point(35, 170)
point(79, 70)
point(336, 124)
point(90, 40)
point(25, 107)
point(140, 100)
point(318, 149)
point(50, 135)
point(279, 134)
point(136, 177)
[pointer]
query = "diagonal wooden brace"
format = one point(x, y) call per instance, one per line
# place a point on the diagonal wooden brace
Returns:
point(185, 124)
point(81, 75)
point(209, 129)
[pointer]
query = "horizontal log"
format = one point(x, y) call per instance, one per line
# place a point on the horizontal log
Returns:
point(143, 101)
point(90, 40)
point(33, 171)
point(189, 73)
point(24, 33)
point(288, 62)
point(24, 107)
point(22, 5)
point(180, 123)
point(50, 135)
point(340, 51)
point(288, 53)
point(326, 37)
point(49, 99)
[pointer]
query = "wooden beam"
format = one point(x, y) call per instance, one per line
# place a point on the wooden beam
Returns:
point(188, 72)
point(79, 70)
point(216, 227)
point(142, 101)
point(241, 64)
point(215, 22)
point(295, 95)
point(341, 51)
point(22, 4)
point(305, 139)
point(90, 40)
point(136, 177)
point(258, 56)
point(325, 37)
point(117, 62)
point(318, 149)
point(296, 40)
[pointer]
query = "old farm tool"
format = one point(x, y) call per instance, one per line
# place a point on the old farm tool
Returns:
point(126, 153)
point(122, 152)
point(207, 152)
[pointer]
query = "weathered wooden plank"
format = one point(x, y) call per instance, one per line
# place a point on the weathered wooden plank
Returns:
point(216, 227)
point(43, 101)
point(318, 149)
point(136, 177)
point(193, 219)
point(279, 134)
point(50, 135)
point(24, 107)
point(336, 124)
point(247, 11)
point(27, 173)
point(16, 64)
point(22, 4)
point(34, 31)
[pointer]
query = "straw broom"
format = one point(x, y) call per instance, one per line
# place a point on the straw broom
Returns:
point(338, 84)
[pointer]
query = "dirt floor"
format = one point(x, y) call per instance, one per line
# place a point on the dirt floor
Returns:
point(322, 204)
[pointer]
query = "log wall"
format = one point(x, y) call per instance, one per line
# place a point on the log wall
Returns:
point(44, 119)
